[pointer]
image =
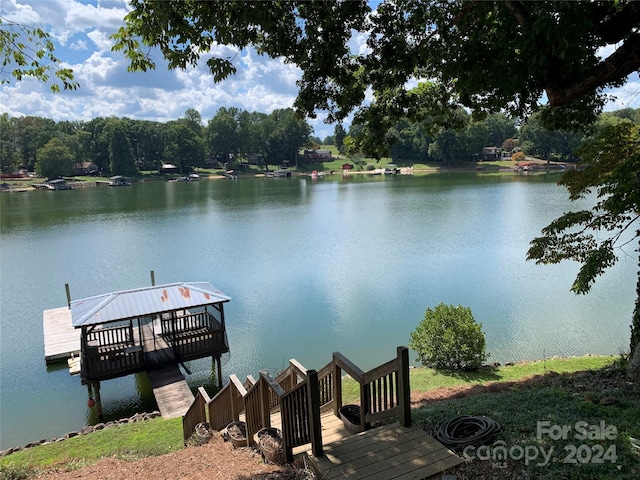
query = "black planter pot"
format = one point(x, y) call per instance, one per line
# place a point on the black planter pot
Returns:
point(350, 415)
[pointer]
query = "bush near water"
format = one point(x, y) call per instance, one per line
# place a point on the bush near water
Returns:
point(449, 338)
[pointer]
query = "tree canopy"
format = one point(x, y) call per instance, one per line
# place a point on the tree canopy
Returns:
point(486, 56)
point(54, 160)
point(27, 51)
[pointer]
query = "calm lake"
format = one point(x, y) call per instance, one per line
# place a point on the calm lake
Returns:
point(339, 264)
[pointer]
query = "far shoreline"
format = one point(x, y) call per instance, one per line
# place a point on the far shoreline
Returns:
point(24, 184)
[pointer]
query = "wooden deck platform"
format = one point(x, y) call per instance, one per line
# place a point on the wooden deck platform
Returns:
point(332, 430)
point(61, 340)
point(171, 390)
point(383, 453)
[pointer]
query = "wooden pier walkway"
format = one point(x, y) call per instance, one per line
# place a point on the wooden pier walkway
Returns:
point(385, 453)
point(61, 340)
point(171, 390)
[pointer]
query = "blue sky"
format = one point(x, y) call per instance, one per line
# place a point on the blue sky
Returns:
point(81, 30)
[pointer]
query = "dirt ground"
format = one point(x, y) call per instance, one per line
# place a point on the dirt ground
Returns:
point(215, 460)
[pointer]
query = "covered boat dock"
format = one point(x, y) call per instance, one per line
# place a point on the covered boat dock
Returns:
point(152, 329)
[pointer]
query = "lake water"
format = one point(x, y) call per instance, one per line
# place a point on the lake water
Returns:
point(340, 264)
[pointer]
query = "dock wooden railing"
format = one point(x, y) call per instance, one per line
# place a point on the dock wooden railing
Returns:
point(301, 395)
point(193, 334)
point(109, 352)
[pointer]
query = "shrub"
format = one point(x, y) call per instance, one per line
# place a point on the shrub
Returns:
point(449, 338)
point(518, 157)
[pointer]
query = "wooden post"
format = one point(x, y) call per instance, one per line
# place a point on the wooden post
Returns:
point(96, 391)
point(153, 278)
point(265, 400)
point(66, 287)
point(219, 373)
point(365, 405)
point(404, 388)
point(315, 427)
point(337, 388)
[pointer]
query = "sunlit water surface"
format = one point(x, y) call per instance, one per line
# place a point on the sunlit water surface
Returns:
point(341, 264)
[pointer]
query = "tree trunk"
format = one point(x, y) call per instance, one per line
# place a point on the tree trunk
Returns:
point(633, 370)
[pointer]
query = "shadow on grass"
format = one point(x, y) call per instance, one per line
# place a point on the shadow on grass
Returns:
point(485, 373)
point(593, 384)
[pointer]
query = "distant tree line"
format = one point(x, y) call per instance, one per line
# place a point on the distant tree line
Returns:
point(122, 146)
point(419, 142)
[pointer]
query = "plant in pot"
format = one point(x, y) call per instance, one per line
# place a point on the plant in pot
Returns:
point(237, 432)
point(203, 432)
point(270, 442)
point(350, 415)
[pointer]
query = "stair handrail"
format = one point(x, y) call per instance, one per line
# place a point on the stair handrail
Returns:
point(384, 390)
point(195, 414)
point(227, 405)
point(288, 379)
point(326, 389)
point(257, 404)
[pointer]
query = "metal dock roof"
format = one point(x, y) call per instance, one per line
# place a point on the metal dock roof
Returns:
point(126, 304)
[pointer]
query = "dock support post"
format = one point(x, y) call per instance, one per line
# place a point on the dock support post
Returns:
point(96, 392)
point(153, 278)
point(219, 372)
point(66, 287)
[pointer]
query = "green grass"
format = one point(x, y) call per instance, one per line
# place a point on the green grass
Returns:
point(560, 399)
point(128, 441)
point(564, 399)
point(427, 379)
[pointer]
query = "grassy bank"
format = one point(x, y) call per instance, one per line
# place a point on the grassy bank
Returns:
point(548, 390)
point(427, 379)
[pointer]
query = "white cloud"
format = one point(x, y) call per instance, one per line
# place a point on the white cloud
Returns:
point(80, 45)
point(82, 30)
point(101, 40)
point(19, 13)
